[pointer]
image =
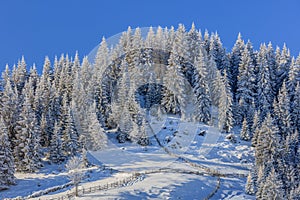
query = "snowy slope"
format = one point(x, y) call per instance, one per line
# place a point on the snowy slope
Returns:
point(183, 153)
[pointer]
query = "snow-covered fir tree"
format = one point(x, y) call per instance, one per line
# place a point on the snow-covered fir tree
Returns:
point(55, 148)
point(245, 133)
point(200, 89)
point(265, 85)
point(7, 168)
point(235, 60)
point(295, 109)
point(245, 90)
point(282, 112)
point(95, 137)
point(272, 188)
point(225, 117)
point(174, 99)
point(27, 139)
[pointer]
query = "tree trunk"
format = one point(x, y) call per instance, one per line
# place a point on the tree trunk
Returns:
point(76, 189)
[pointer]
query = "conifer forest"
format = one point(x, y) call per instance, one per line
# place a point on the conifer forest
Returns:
point(75, 106)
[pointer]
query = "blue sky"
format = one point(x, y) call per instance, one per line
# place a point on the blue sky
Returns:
point(36, 28)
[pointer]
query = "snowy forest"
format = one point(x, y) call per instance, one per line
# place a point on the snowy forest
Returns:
point(69, 106)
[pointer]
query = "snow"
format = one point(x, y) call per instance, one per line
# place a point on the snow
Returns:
point(178, 180)
point(161, 186)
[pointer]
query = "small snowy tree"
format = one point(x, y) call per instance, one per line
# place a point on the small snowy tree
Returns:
point(245, 134)
point(75, 171)
point(249, 189)
point(95, 137)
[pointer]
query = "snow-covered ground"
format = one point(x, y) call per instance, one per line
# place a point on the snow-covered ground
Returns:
point(184, 149)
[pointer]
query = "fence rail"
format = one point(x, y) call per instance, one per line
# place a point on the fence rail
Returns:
point(88, 190)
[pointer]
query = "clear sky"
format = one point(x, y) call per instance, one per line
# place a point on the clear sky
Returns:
point(36, 28)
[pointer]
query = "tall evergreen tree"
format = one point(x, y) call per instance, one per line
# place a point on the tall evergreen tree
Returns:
point(27, 139)
point(293, 77)
point(218, 53)
point(272, 188)
point(200, 89)
point(225, 118)
point(295, 109)
point(245, 94)
point(283, 62)
point(267, 143)
point(235, 60)
point(265, 84)
point(175, 95)
point(7, 169)
point(194, 43)
point(282, 112)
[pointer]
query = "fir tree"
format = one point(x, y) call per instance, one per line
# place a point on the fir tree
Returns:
point(225, 103)
point(295, 109)
point(265, 84)
point(255, 128)
point(55, 148)
point(272, 188)
point(293, 76)
point(175, 95)
point(7, 169)
point(245, 94)
point(20, 75)
point(194, 41)
point(95, 137)
point(235, 60)
point(245, 133)
point(218, 53)
point(267, 143)
point(27, 139)
point(250, 184)
point(200, 89)
point(283, 61)
point(211, 79)
point(282, 112)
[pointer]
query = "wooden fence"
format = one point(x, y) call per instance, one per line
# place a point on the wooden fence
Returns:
point(87, 190)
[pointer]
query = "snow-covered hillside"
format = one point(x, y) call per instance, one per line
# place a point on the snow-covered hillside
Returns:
point(169, 171)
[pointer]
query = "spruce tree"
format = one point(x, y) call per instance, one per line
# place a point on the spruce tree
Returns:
point(250, 184)
point(245, 94)
point(27, 151)
point(293, 76)
point(295, 109)
point(267, 143)
point(225, 117)
point(265, 82)
point(55, 148)
point(235, 60)
point(194, 41)
point(272, 188)
point(245, 133)
point(255, 128)
point(200, 89)
point(7, 169)
point(218, 53)
point(283, 61)
point(95, 137)
point(175, 95)
point(282, 112)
